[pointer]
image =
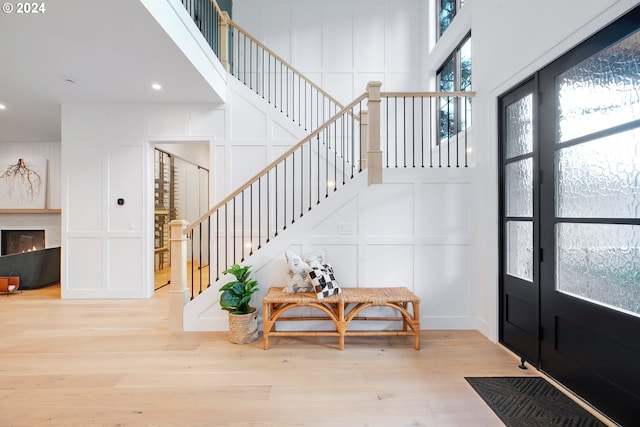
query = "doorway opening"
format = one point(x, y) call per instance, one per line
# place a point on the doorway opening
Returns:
point(181, 192)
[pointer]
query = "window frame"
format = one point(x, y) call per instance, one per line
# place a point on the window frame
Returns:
point(457, 6)
point(456, 57)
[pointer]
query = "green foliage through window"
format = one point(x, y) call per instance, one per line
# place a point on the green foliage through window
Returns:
point(455, 75)
point(447, 10)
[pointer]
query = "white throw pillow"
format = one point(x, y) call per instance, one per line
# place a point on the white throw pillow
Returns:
point(297, 267)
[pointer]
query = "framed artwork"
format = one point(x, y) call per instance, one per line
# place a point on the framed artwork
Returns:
point(23, 183)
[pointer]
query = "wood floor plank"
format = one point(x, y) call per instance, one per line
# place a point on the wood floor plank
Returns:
point(114, 363)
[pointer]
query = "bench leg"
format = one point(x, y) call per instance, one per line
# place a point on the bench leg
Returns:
point(266, 324)
point(416, 316)
point(341, 326)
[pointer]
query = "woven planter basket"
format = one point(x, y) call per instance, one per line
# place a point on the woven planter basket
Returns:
point(243, 328)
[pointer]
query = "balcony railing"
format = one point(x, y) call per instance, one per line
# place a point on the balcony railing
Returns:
point(207, 16)
point(417, 129)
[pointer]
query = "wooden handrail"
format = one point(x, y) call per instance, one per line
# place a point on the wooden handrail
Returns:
point(251, 181)
point(276, 56)
point(216, 7)
point(344, 110)
point(427, 94)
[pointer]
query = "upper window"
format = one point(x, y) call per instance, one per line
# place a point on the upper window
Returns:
point(455, 75)
point(447, 10)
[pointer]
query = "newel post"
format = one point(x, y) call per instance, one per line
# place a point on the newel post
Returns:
point(223, 39)
point(374, 155)
point(178, 295)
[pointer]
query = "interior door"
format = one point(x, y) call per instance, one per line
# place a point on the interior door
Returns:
point(519, 303)
point(590, 219)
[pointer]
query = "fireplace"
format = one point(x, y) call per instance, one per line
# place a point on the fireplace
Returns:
point(20, 241)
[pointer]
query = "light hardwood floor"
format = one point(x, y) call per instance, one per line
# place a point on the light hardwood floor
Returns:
point(114, 363)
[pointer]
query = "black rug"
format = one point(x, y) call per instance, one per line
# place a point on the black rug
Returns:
point(531, 401)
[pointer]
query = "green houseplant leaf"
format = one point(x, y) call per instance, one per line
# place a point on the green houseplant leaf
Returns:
point(236, 295)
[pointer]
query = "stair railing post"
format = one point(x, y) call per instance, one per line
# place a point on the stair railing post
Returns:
point(178, 295)
point(364, 138)
point(223, 39)
point(374, 155)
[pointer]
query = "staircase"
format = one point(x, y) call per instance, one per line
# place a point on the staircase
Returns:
point(376, 130)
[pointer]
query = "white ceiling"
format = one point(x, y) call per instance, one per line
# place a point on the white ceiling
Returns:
point(113, 50)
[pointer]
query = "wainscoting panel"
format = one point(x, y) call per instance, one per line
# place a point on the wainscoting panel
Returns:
point(84, 210)
point(124, 275)
point(128, 216)
point(87, 275)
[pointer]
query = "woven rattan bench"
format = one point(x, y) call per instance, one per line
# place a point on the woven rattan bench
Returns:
point(342, 309)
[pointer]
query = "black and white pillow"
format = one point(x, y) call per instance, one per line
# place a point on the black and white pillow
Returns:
point(324, 281)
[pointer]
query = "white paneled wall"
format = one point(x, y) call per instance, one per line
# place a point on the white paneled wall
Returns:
point(342, 44)
point(107, 154)
point(413, 231)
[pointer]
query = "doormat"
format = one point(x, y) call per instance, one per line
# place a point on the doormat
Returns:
point(531, 401)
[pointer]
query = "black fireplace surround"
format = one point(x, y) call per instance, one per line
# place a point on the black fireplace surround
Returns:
point(19, 241)
point(36, 268)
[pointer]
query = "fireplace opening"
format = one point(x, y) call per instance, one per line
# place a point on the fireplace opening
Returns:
point(20, 241)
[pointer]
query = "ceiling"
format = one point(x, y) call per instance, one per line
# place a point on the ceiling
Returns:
point(87, 51)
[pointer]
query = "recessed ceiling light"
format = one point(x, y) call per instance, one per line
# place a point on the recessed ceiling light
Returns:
point(3, 107)
point(156, 86)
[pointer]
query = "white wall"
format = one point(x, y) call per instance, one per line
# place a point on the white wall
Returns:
point(408, 240)
point(342, 44)
point(107, 153)
point(253, 136)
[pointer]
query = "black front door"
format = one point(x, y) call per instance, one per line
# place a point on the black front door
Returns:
point(586, 221)
point(519, 281)
point(590, 219)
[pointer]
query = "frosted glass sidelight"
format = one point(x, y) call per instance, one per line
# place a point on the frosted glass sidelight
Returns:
point(520, 249)
point(601, 92)
point(519, 184)
point(600, 178)
point(519, 131)
point(600, 263)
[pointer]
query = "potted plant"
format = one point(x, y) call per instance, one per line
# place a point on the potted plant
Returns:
point(236, 298)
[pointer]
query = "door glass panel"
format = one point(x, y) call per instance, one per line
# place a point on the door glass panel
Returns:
point(519, 129)
point(520, 249)
point(519, 183)
point(600, 263)
point(599, 179)
point(601, 91)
